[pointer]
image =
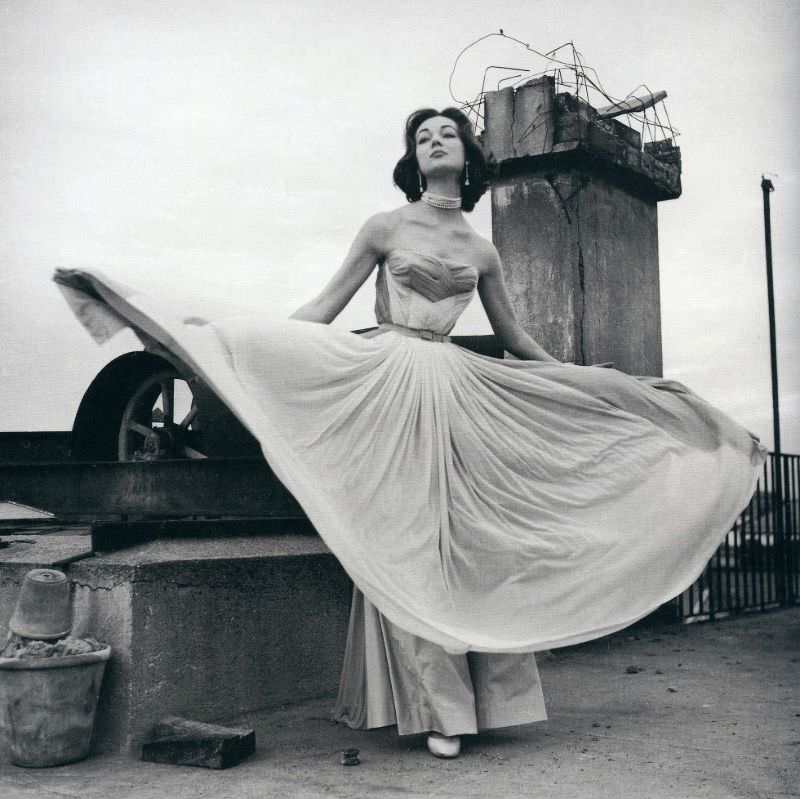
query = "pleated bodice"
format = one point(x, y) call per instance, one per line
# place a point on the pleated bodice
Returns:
point(422, 291)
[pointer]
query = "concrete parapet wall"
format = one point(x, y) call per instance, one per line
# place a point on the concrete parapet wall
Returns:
point(211, 629)
point(206, 629)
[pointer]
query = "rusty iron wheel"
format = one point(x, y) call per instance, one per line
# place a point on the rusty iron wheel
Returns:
point(160, 420)
point(141, 406)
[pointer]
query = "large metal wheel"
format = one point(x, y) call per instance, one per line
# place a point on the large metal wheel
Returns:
point(160, 420)
point(143, 407)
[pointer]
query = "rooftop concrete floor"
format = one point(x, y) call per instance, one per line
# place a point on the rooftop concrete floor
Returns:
point(713, 713)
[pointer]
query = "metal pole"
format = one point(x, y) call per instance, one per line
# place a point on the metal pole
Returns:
point(766, 188)
point(777, 473)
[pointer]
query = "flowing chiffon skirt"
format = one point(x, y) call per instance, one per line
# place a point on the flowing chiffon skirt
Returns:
point(482, 504)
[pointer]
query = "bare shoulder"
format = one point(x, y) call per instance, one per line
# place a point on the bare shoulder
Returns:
point(378, 225)
point(383, 224)
point(487, 259)
point(374, 234)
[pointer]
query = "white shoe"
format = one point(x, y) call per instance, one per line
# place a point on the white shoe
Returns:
point(443, 745)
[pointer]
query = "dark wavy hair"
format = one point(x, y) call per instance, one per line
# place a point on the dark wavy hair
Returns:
point(406, 173)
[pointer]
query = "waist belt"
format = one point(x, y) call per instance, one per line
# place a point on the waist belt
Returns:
point(415, 332)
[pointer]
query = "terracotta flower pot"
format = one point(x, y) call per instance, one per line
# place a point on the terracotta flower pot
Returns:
point(47, 706)
point(43, 606)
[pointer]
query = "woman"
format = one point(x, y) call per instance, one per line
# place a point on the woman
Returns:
point(391, 677)
point(484, 508)
point(444, 167)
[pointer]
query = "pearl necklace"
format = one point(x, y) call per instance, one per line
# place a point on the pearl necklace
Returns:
point(437, 201)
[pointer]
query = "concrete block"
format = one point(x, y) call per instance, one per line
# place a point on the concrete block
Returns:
point(498, 123)
point(602, 140)
point(570, 127)
point(532, 131)
point(210, 628)
point(627, 134)
point(182, 742)
point(520, 122)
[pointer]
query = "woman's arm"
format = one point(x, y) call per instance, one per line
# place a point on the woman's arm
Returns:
point(365, 252)
point(496, 303)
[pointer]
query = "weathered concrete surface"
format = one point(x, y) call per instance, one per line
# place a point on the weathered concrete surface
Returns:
point(519, 122)
point(208, 628)
point(580, 257)
point(714, 714)
point(532, 121)
point(574, 220)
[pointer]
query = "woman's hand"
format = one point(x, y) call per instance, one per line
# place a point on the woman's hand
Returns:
point(496, 303)
point(365, 252)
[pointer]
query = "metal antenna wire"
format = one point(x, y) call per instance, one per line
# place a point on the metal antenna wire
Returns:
point(570, 74)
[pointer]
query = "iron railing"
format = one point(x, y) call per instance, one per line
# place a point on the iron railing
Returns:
point(757, 566)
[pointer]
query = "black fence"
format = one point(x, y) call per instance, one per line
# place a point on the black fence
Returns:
point(757, 567)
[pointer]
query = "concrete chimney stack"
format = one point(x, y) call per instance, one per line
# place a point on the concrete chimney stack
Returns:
point(574, 219)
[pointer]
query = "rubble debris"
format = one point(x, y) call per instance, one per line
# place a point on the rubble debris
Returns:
point(16, 646)
point(350, 757)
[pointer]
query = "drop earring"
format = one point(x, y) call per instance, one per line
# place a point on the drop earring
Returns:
point(466, 173)
point(419, 175)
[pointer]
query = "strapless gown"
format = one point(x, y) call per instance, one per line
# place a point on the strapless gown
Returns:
point(484, 505)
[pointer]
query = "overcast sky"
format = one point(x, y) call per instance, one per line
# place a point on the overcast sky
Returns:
point(233, 149)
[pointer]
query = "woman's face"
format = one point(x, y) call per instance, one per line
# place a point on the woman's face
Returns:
point(439, 146)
